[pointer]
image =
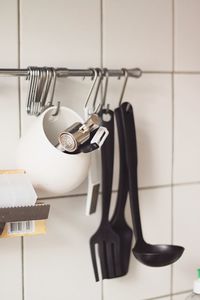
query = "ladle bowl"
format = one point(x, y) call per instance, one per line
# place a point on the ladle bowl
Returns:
point(157, 255)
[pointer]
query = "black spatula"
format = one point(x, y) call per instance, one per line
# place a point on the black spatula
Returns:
point(105, 237)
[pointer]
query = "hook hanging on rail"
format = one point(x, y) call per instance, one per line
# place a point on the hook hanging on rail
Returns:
point(40, 82)
point(105, 91)
point(100, 73)
point(106, 87)
point(124, 85)
point(95, 76)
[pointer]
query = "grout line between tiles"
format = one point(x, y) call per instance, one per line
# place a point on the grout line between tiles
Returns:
point(182, 292)
point(173, 140)
point(172, 186)
point(169, 295)
point(168, 185)
point(63, 196)
point(159, 297)
point(187, 72)
point(19, 63)
point(101, 45)
point(102, 290)
point(22, 260)
point(20, 127)
point(173, 36)
point(187, 183)
point(115, 191)
point(171, 72)
point(101, 62)
point(101, 33)
point(154, 187)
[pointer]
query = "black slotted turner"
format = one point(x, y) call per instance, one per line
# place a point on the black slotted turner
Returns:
point(105, 237)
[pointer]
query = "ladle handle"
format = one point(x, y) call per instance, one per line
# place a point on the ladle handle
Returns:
point(131, 158)
point(107, 158)
point(123, 171)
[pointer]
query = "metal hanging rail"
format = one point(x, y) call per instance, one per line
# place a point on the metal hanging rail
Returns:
point(64, 72)
point(42, 81)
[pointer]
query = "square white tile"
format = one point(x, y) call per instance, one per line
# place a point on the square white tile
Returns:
point(186, 232)
point(67, 36)
point(58, 265)
point(187, 38)
point(8, 33)
point(137, 33)
point(151, 99)
point(142, 282)
point(186, 128)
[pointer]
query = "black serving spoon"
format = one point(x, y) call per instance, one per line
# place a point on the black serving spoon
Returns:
point(148, 254)
point(118, 221)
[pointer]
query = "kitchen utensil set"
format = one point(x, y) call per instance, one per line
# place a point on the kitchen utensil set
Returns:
point(114, 237)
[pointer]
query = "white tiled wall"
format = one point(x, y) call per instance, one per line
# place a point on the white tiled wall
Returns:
point(160, 37)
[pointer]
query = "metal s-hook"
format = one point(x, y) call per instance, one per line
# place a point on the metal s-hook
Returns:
point(57, 109)
point(124, 85)
point(34, 90)
point(105, 88)
point(97, 90)
point(92, 87)
point(50, 103)
point(30, 79)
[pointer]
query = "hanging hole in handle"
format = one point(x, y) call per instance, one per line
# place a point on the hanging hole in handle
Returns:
point(106, 117)
point(128, 107)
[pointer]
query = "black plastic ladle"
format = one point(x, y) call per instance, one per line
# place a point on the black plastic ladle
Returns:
point(148, 254)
